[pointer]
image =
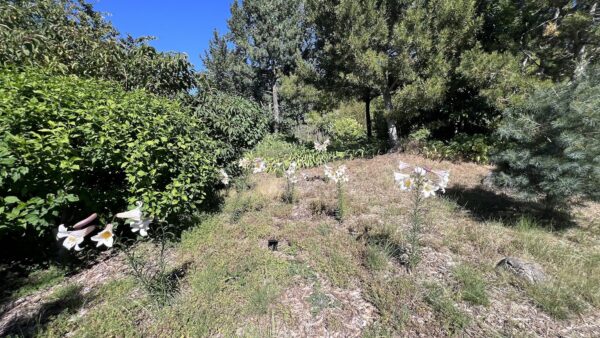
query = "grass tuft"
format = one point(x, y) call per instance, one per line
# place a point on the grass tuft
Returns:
point(438, 298)
point(472, 285)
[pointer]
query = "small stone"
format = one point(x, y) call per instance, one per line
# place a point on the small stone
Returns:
point(404, 259)
point(531, 272)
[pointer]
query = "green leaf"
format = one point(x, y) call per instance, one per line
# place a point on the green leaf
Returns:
point(11, 199)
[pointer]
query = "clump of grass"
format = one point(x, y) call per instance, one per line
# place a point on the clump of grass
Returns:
point(557, 300)
point(375, 258)
point(40, 279)
point(113, 312)
point(437, 297)
point(244, 203)
point(391, 297)
point(472, 285)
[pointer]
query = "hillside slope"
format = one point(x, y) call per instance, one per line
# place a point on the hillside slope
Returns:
point(344, 279)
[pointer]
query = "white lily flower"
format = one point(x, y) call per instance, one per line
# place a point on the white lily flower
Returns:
point(259, 166)
point(407, 183)
point(73, 241)
point(105, 237)
point(142, 226)
point(85, 222)
point(420, 171)
point(133, 214)
point(244, 163)
point(444, 177)
point(339, 175)
point(428, 189)
point(62, 232)
point(224, 177)
point(399, 177)
point(328, 172)
point(74, 238)
point(291, 169)
point(321, 147)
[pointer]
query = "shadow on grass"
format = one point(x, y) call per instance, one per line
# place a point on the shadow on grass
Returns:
point(66, 300)
point(487, 205)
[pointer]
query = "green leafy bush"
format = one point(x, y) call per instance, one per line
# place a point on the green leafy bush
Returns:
point(474, 148)
point(69, 147)
point(70, 37)
point(346, 131)
point(275, 149)
point(237, 123)
point(550, 145)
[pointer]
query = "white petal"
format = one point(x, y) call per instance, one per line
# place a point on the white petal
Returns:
point(135, 214)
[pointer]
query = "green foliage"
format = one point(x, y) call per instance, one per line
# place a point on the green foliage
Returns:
point(346, 132)
point(475, 148)
point(550, 144)
point(275, 149)
point(267, 36)
point(403, 51)
point(237, 123)
point(226, 70)
point(472, 285)
point(560, 301)
point(70, 37)
point(72, 146)
point(441, 302)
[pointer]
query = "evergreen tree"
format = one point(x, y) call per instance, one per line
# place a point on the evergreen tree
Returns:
point(270, 34)
point(551, 143)
point(529, 44)
point(226, 69)
point(559, 38)
point(402, 50)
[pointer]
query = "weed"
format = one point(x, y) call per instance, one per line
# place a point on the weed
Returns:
point(391, 298)
point(472, 285)
point(437, 297)
point(375, 258)
point(558, 300)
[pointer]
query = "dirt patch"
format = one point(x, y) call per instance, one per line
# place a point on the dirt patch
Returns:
point(320, 310)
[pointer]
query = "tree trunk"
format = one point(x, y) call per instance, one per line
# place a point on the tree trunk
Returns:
point(391, 122)
point(368, 116)
point(275, 106)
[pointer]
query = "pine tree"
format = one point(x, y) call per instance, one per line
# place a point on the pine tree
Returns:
point(402, 50)
point(551, 143)
point(227, 70)
point(271, 34)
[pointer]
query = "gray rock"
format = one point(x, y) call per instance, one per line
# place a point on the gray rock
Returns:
point(530, 272)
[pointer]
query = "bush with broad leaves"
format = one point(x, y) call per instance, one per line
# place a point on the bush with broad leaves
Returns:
point(71, 146)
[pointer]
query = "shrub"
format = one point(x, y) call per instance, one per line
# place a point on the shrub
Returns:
point(275, 149)
point(346, 131)
point(238, 124)
point(72, 146)
point(550, 145)
point(463, 147)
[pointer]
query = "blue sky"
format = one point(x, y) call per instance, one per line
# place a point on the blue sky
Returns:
point(178, 25)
